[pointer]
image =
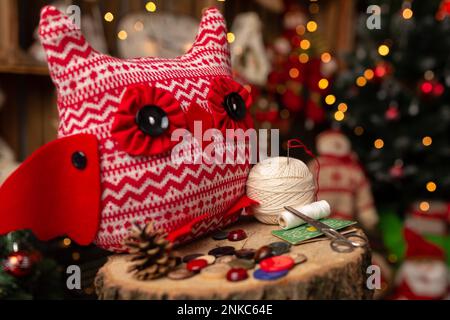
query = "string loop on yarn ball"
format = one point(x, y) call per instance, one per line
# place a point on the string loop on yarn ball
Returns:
point(278, 182)
point(297, 143)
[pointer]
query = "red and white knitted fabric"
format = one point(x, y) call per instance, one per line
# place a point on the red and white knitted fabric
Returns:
point(90, 88)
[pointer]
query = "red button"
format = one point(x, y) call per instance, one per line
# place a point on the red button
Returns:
point(237, 274)
point(278, 263)
point(196, 265)
point(237, 235)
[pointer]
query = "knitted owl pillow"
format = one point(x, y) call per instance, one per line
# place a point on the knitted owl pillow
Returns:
point(111, 165)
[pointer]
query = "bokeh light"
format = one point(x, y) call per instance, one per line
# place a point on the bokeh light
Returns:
point(407, 13)
point(122, 35)
point(424, 206)
point(427, 141)
point(311, 26)
point(325, 57)
point(150, 6)
point(379, 144)
point(361, 81)
point(294, 73)
point(342, 107)
point(431, 186)
point(330, 99)
point(339, 116)
point(231, 37)
point(323, 83)
point(109, 17)
point(383, 50)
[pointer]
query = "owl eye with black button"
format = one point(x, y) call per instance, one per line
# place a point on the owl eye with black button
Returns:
point(235, 106)
point(229, 102)
point(145, 120)
point(152, 120)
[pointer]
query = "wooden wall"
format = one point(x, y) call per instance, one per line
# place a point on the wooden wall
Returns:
point(29, 117)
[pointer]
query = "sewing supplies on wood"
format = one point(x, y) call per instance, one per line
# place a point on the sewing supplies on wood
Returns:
point(306, 233)
point(339, 242)
point(268, 262)
point(302, 281)
point(316, 210)
point(278, 182)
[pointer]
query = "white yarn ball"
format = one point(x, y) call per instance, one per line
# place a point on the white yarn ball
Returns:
point(278, 182)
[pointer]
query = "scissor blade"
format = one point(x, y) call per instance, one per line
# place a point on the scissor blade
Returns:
point(317, 224)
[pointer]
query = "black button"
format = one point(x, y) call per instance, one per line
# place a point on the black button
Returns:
point(222, 251)
point(235, 106)
point(152, 120)
point(79, 160)
point(220, 235)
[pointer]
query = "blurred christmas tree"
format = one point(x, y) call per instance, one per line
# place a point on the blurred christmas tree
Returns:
point(298, 85)
point(396, 94)
point(24, 272)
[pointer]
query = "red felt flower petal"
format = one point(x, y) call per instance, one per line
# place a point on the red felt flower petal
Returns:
point(221, 87)
point(126, 131)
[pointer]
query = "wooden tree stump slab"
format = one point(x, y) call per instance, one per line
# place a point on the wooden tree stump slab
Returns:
point(326, 274)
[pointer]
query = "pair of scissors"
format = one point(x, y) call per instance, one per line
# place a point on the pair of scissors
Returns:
point(339, 242)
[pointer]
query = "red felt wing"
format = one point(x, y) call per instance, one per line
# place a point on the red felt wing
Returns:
point(51, 196)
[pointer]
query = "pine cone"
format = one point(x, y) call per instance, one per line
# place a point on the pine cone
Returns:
point(151, 253)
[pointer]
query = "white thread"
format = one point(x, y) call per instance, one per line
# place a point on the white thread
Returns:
point(276, 183)
point(315, 210)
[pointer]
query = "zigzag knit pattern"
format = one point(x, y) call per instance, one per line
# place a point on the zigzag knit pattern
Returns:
point(90, 86)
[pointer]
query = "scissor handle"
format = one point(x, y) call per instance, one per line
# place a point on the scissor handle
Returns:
point(356, 240)
point(332, 234)
point(347, 243)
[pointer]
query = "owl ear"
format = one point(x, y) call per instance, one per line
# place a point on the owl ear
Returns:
point(61, 38)
point(212, 34)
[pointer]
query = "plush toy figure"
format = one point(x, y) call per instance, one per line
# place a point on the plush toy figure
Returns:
point(112, 164)
point(248, 53)
point(424, 274)
point(342, 181)
point(434, 221)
